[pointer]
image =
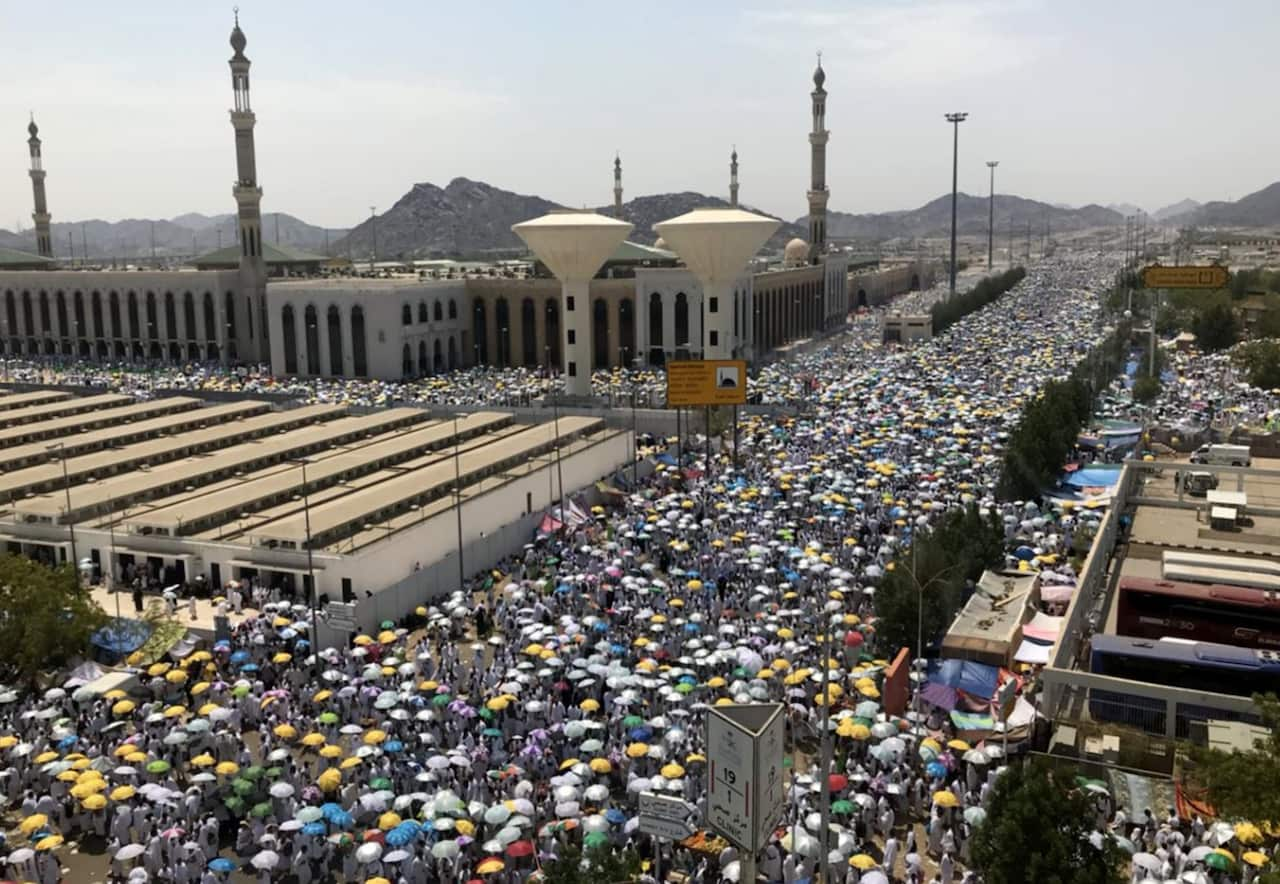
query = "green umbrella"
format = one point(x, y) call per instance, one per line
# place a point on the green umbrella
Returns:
point(273, 773)
point(253, 773)
point(632, 721)
point(240, 690)
point(158, 767)
point(739, 672)
point(380, 783)
point(261, 810)
point(1219, 862)
point(234, 804)
point(491, 732)
point(684, 688)
point(387, 624)
point(486, 714)
point(243, 787)
point(327, 718)
point(842, 806)
point(441, 700)
point(600, 839)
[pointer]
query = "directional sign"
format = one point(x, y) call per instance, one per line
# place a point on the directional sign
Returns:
point(1209, 276)
point(706, 382)
point(341, 616)
point(676, 830)
point(665, 807)
point(744, 756)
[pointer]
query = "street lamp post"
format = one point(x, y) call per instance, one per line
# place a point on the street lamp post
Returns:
point(66, 488)
point(457, 500)
point(991, 215)
point(311, 571)
point(955, 119)
point(373, 252)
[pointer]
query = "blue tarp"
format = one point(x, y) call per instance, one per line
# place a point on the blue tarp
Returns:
point(1094, 475)
point(122, 636)
point(975, 679)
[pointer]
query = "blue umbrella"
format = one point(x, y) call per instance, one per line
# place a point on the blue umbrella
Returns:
point(400, 836)
point(936, 769)
point(600, 626)
point(330, 809)
point(249, 667)
point(393, 746)
point(615, 816)
point(641, 733)
point(342, 820)
point(68, 741)
point(221, 864)
point(239, 656)
point(316, 828)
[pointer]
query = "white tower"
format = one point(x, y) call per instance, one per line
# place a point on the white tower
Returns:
point(818, 193)
point(41, 216)
point(617, 186)
point(733, 177)
point(251, 330)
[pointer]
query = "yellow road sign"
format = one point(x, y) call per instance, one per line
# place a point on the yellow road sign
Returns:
point(1191, 277)
point(707, 382)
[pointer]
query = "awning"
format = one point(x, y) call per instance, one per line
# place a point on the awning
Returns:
point(263, 566)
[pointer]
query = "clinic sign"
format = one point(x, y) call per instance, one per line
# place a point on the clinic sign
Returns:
point(700, 382)
point(1209, 276)
point(745, 748)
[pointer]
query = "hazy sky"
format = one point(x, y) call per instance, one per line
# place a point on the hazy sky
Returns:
point(1081, 101)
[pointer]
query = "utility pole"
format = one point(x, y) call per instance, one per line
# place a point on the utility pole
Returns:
point(1028, 242)
point(991, 215)
point(1010, 239)
point(373, 255)
point(84, 242)
point(955, 119)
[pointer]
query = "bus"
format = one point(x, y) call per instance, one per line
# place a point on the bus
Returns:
point(1198, 666)
point(1215, 612)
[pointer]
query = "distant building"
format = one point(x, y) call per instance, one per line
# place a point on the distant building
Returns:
point(280, 260)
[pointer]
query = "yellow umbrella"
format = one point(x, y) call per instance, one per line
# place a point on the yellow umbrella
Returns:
point(114, 694)
point(175, 711)
point(123, 707)
point(389, 821)
point(33, 824)
point(946, 799)
point(429, 685)
point(386, 637)
point(202, 760)
point(84, 790)
point(490, 866)
point(281, 657)
point(569, 762)
point(361, 641)
point(377, 880)
point(49, 842)
point(157, 669)
point(601, 765)
point(497, 704)
point(1248, 834)
point(672, 771)
point(330, 751)
point(862, 862)
point(67, 776)
point(207, 708)
point(637, 750)
point(8, 741)
point(175, 676)
point(959, 745)
point(285, 731)
point(313, 740)
point(199, 688)
point(123, 793)
point(589, 705)
point(94, 802)
point(374, 737)
point(348, 763)
point(716, 682)
point(931, 743)
point(227, 769)
point(321, 696)
point(88, 776)
point(1255, 858)
point(329, 781)
point(46, 757)
point(136, 757)
point(125, 749)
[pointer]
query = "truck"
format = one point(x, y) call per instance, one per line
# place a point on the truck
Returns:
point(1223, 455)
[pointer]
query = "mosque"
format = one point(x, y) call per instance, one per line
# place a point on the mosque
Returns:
point(645, 308)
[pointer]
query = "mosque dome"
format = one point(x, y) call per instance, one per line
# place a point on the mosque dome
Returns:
point(661, 244)
point(796, 251)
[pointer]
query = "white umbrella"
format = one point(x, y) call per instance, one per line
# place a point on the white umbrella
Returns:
point(281, 790)
point(369, 852)
point(267, 859)
point(1148, 861)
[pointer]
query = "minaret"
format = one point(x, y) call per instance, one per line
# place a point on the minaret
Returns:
point(41, 216)
point(818, 167)
point(617, 186)
point(253, 271)
point(733, 177)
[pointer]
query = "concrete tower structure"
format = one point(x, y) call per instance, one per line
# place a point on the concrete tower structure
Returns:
point(41, 216)
point(733, 178)
point(617, 186)
point(818, 192)
point(253, 270)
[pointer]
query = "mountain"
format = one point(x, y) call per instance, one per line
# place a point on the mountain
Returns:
point(1125, 208)
point(934, 218)
point(1181, 207)
point(179, 237)
point(473, 219)
point(1260, 209)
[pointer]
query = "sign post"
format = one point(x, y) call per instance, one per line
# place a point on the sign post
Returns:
point(663, 816)
point(706, 382)
point(1208, 276)
point(745, 748)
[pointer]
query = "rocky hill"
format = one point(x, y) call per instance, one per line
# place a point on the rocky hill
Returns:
point(934, 218)
point(1181, 207)
point(646, 211)
point(1259, 209)
point(182, 236)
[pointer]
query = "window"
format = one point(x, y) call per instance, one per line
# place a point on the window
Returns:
point(406, 315)
point(573, 336)
point(573, 369)
point(422, 311)
point(714, 338)
point(568, 303)
point(713, 305)
point(438, 312)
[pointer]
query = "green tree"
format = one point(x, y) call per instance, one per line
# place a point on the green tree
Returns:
point(597, 865)
point(1260, 361)
point(46, 617)
point(1215, 327)
point(1037, 829)
point(1146, 389)
point(1245, 785)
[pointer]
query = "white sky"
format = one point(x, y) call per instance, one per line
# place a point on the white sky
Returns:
point(1082, 101)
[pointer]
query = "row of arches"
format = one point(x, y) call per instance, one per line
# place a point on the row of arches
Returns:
point(124, 326)
point(436, 313)
point(336, 342)
point(788, 313)
point(443, 357)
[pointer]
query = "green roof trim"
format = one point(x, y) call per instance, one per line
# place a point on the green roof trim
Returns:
point(15, 258)
point(634, 251)
point(271, 254)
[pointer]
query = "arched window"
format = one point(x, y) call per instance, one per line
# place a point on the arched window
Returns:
point(626, 330)
point(528, 333)
point(210, 319)
point(189, 315)
point(453, 309)
point(79, 329)
point(153, 325)
point(502, 318)
point(61, 307)
point(290, 339)
point(552, 322)
point(133, 316)
point(170, 317)
point(657, 356)
point(422, 358)
point(479, 333)
point(437, 362)
point(45, 328)
point(600, 333)
point(312, 326)
point(334, 321)
point(95, 310)
point(422, 311)
point(682, 323)
point(113, 307)
point(437, 310)
point(406, 315)
point(359, 363)
point(229, 300)
point(406, 362)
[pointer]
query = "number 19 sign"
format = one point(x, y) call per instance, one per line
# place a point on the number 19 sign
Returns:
point(745, 747)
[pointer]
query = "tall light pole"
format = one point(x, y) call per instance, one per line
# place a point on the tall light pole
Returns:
point(311, 571)
point(457, 500)
point(955, 119)
point(373, 253)
point(66, 488)
point(991, 215)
